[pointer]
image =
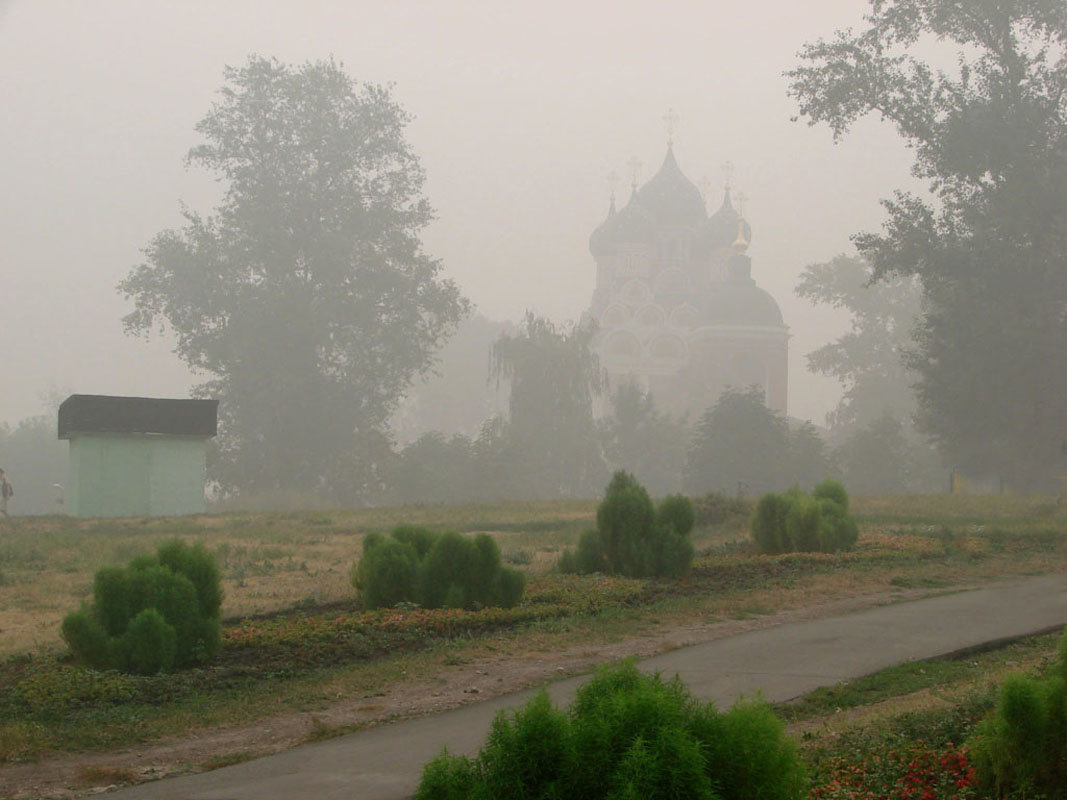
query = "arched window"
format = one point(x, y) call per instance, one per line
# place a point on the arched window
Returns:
point(650, 315)
point(614, 316)
point(670, 348)
point(684, 316)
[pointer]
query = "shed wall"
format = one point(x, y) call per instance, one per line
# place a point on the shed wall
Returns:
point(120, 476)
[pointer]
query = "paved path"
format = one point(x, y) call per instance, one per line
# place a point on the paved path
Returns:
point(384, 763)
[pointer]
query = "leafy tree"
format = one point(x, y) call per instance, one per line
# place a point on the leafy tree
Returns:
point(882, 459)
point(643, 440)
point(306, 294)
point(740, 445)
point(554, 376)
point(869, 359)
point(990, 137)
point(433, 469)
point(809, 459)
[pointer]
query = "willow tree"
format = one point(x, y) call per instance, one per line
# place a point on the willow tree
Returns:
point(989, 240)
point(554, 377)
point(305, 297)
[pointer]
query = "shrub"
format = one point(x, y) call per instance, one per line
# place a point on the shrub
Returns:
point(632, 537)
point(434, 570)
point(418, 537)
point(198, 565)
point(795, 521)
point(622, 518)
point(86, 637)
point(626, 735)
point(180, 587)
point(148, 646)
point(837, 529)
point(802, 523)
point(676, 510)
point(768, 523)
point(829, 489)
point(447, 777)
point(510, 584)
point(749, 753)
point(1022, 745)
point(386, 573)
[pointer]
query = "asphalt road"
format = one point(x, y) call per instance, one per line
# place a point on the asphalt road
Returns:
point(384, 763)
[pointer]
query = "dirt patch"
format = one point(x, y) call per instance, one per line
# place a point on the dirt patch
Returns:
point(65, 776)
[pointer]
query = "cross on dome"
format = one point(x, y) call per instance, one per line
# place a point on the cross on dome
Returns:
point(671, 119)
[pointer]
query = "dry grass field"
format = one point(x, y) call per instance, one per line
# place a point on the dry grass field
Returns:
point(296, 642)
point(274, 561)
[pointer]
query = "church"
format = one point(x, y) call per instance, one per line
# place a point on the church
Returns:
point(675, 302)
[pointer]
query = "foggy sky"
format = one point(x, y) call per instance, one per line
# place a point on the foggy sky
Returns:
point(521, 111)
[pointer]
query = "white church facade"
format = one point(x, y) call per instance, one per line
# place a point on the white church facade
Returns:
point(675, 302)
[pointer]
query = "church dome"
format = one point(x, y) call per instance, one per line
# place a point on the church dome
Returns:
point(670, 197)
point(632, 225)
point(743, 303)
point(600, 240)
point(721, 229)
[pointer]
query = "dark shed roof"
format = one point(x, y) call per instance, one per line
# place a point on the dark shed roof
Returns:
point(97, 413)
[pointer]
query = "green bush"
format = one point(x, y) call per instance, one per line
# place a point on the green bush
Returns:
point(1022, 745)
point(837, 529)
point(747, 749)
point(590, 555)
point(795, 521)
point(86, 637)
point(677, 511)
point(510, 584)
point(148, 646)
point(627, 735)
point(176, 585)
point(198, 565)
point(632, 538)
point(829, 489)
point(803, 522)
point(386, 573)
point(768, 524)
point(435, 570)
point(418, 537)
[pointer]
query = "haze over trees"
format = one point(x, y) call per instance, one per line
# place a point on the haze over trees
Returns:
point(990, 137)
point(306, 295)
point(879, 448)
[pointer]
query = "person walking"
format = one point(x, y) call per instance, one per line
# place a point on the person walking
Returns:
point(7, 491)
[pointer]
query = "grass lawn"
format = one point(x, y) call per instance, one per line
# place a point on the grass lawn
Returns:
point(296, 638)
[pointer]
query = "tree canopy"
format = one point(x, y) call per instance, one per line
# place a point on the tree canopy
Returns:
point(869, 359)
point(554, 377)
point(305, 297)
point(990, 137)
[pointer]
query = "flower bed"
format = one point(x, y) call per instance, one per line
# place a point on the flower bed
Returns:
point(914, 773)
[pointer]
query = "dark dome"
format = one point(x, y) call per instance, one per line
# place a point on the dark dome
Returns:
point(743, 303)
point(632, 225)
point(670, 197)
point(721, 229)
point(600, 240)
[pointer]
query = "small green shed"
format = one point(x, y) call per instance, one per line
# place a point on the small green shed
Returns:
point(136, 456)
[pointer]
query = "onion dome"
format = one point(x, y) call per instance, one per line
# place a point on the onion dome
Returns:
point(670, 197)
point(632, 225)
point(739, 301)
point(738, 304)
point(599, 240)
point(722, 229)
